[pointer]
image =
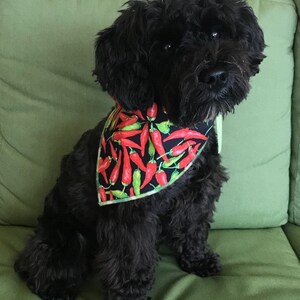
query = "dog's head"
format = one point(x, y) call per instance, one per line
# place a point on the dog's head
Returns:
point(195, 57)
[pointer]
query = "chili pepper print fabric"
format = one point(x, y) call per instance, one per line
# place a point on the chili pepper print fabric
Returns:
point(141, 153)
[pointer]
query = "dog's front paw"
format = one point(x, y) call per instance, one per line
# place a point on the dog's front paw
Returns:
point(57, 297)
point(209, 265)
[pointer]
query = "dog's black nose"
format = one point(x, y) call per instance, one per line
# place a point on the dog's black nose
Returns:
point(216, 77)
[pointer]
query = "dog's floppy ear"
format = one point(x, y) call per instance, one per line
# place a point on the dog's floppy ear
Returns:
point(254, 38)
point(121, 59)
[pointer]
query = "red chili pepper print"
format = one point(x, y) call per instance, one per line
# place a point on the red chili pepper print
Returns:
point(102, 193)
point(115, 172)
point(134, 156)
point(103, 164)
point(177, 134)
point(177, 150)
point(123, 116)
point(111, 196)
point(157, 142)
point(129, 143)
point(103, 173)
point(152, 112)
point(192, 134)
point(186, 134)
point(113, 151)
point(184, 162)
point(127, 171)
point(150, 172)
point(194, 150)
point(103, 144)
point(131, 192)
point(144, 138)
point(190, 157)
point(139, 114)
point(161, 178)
point(129, 121)
point(124, 134)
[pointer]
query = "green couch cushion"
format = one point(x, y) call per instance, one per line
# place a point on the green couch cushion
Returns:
point(258, 264)
point(294, 210)
point(256, 139)
point(48, 98)
point(293, 234)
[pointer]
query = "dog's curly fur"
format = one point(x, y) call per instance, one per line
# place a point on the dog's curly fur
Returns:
point(172, 52)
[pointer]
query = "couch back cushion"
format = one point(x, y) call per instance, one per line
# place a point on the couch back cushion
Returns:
point(294, 209)
point(49, 98)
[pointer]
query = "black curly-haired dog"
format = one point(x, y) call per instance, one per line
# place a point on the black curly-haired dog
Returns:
point(194, 57)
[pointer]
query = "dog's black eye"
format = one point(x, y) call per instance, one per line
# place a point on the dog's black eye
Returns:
point(218, 32)
point(168, 47)
point(215, 34)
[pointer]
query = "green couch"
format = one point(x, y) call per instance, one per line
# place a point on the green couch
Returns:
point(48, 98)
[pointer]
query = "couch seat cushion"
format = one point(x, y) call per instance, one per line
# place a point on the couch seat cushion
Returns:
point(258, 264)
point(293, 234)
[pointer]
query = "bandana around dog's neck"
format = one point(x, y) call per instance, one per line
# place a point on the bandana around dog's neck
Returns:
point(140, 154)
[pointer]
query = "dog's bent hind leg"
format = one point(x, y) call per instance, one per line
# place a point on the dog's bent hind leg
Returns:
point(54, 260)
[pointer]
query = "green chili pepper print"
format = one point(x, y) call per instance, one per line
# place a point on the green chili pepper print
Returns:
point(164, 127)
point(134, 126)
point(174, 175)
point(137, 182)
point(173, 160)
point(119, 194)
point(151, 149)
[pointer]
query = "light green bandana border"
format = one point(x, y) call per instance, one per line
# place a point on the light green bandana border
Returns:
point(219, 131)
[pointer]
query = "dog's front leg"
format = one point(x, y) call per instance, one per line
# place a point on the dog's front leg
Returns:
point(188, 238)
point(127, 256)
point(189, 223)
point(196, 256)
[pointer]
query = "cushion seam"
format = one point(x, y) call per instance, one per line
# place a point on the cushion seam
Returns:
point(284, 3)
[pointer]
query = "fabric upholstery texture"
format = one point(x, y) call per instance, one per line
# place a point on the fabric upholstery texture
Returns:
point(48, 98)
point(294, 209)
point(258, 264)
point(292, 232)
